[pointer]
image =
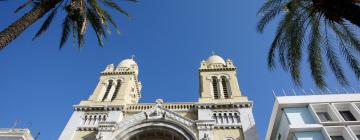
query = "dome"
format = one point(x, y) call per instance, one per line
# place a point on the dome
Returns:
point(127, 63)
point(215, 59)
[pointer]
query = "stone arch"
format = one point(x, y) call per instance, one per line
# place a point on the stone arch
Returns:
point(226, 89)
point(218, 75)
point(168, 125)
point(104, 86)
point(106, 81)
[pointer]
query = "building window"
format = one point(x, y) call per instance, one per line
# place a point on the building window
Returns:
point(324, 116)
point(118, 84)
point(224, 82)
point(215, 87)
point(229, 138)
point(337, 138)
point(347, 115)
point(108, 89)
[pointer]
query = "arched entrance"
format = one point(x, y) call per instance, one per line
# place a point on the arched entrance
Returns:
point(156, 133)
point(155, 130)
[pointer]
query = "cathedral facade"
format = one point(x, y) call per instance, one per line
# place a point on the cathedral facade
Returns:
point(113, 111)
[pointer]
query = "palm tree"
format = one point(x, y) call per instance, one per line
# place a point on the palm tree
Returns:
point(311, 25)
point(78, 14)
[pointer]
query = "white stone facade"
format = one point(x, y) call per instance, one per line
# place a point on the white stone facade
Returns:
point(15, 134)
point(315, 117)
point(112, 112)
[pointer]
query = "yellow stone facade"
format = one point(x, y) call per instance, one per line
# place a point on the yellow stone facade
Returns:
point(112, 112)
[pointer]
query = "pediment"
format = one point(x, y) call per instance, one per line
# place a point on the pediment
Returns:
point(156, 113)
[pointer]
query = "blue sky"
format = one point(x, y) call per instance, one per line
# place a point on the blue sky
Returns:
point(39, 83)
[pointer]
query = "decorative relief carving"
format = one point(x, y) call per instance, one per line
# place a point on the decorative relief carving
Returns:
point(206, 125)
point(158, 112)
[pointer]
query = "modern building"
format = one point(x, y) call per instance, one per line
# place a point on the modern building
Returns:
point(15, 134)
point(113, 111)
point(315, 117)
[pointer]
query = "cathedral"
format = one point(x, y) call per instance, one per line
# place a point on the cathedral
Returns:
point(113, 111)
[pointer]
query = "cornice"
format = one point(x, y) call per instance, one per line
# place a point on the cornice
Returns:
point(99, 108)
point(117, 73)
point(217, 69)
point(224, 105)
point(87, 128)
point(178, 107)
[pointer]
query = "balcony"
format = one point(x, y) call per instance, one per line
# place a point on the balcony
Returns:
point(355, 131)
point(337, 133)
point(324, 114)
point(348, 113)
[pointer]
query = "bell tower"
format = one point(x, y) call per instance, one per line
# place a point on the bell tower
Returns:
point(218, 81)
point(118, 85)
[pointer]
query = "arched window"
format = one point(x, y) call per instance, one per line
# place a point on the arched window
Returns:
point(118, 84)
point(108, 89)
point(229, 138)
point(215, 87)
point(224, 83)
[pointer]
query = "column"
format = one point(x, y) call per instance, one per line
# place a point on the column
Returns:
point(218, 118)
point(221, 91)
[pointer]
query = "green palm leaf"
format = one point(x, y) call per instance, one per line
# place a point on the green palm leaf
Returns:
point(96, 25)
point(116, 7)
point(304, 25)
point(66, 28)
point(314, 51)
point(46, 24)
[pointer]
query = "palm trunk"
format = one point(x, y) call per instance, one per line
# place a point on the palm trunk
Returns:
point(16, 28)
point(352, 14)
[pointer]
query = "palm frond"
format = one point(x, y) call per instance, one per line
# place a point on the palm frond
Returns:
point(345, 49)
point(277, 44)
point(96, 25)
point(66, 28)
point(269, 14)
point(292, 35)
point(115, 6)
point(74, 33)
point(349, 36)
point(269, 5)
point(23, 5)
point(314, 51)
point(295, 36)
point(100, 13)
point(132, 1)
point(333, 61)
point(352, 60)
point(112, 22)
point(46, 24)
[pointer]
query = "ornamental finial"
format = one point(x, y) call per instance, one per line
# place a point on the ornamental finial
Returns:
point(159, 101)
